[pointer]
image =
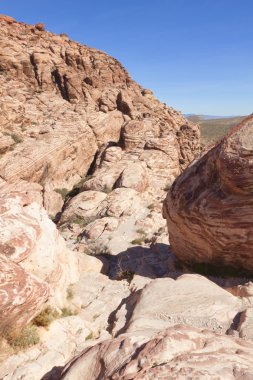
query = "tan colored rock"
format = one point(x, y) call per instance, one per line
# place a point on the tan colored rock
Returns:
point(7, 19)
point(121, 202)
point(98, 297)
point(135, 177)
point(190, 300)
point(176, 353)
point(245, 327)
point(63, 102)
point(209, 211)
point(21, 295)
point(29, 238)
point(95, 229)
point(85, 205)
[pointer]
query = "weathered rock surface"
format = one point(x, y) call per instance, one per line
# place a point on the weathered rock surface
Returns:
point(180, 352)
point(209, 209)
point(35, 263)
point(29, 238)
point(62, 102)
point(21, 296)
point(191, 299)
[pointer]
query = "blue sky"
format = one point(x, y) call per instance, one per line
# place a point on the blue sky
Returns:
point(196, 55)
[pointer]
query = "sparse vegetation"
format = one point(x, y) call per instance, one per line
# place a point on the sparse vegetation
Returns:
point(26, 338)
point(213, 130)
point(141, 238)
point(16, 138)
point(82, 181)
point(125, 275)
point(63, 192)
point(46, 316)
point(99, 249)
point(70, 294)
point(82, 221)
point(167, 187)
point(106, 189)
point(138, 241)
point(67, 312)
point(90, 336)
point(141, 231)
point(151, 207)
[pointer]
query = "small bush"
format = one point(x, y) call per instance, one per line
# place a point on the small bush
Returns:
point(83, 222)
point(106, 189)
point(70, 294)
point(90, 336)
point(67, 312)
point(82, 181)
point(151, 206)
point(26, 338)
point(98, 249)
point(125, 275)
point(167, 187)
point(46, 316)
point(141, 231)
point(16, 138)
point(63, 192)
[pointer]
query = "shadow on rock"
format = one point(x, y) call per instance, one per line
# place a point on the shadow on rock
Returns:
point(156, 261)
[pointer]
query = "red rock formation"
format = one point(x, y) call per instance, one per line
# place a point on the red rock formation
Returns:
point(209, 209)
point(35, 263)
point(61, 102)
point(21, 295)
point(181, 352)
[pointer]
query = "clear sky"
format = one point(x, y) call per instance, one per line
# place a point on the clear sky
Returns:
point(196, 55)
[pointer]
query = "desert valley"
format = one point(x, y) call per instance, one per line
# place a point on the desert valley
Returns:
point(126, 241)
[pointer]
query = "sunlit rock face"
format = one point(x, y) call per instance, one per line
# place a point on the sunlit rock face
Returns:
point(209, 209)
point(62, 102)
point(36, 266)
point(175, 353)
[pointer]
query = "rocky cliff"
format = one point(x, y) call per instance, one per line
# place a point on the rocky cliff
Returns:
point(62, 103)
point(82, 141)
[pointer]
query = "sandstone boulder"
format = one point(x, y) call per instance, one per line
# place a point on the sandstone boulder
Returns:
point(34, 252)
point(209, 209)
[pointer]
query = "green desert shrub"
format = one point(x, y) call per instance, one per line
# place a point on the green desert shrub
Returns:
point(90, 336)
point(26, 338)
point(82, 221)
point(67, 312)
point(125, 275)
point(98, 249)
point(167, 187)
point(63, 192)
point(16, 138)
point(46, 316)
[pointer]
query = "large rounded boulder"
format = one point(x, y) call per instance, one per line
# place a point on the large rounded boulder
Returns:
point(209, 209)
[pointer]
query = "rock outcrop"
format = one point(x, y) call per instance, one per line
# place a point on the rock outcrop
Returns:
point(209, 208)
point(179, 353)
point(36, 265)
point(62, 103)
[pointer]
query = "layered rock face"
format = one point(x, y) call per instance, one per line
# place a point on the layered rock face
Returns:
point(36, 266)
point(209, 209)
point(181, 352)
point(62, 102)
